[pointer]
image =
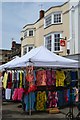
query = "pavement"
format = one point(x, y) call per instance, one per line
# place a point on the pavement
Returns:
point(13, 111)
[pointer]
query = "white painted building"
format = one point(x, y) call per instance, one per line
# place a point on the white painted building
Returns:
point(74, 40)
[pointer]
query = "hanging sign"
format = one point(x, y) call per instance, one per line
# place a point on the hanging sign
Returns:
point(62, 42)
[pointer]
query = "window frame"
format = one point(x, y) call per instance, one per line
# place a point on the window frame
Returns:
point(27, 48)
point(47, 17)
point(25, 34)
point(57, 13)
point(24, 51)
point(53, 41)
point(32, 33)
point(48, 41)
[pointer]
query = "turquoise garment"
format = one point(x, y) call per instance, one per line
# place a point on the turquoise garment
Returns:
point(29, 100)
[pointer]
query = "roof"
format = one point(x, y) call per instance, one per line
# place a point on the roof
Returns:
point(45, 12)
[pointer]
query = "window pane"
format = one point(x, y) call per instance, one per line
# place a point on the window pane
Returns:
point(25, 34)
point(31, 33)
point(48, 42)
point(24, 50)
point(48, 21)
point(56, 42)
point(29, 48)
point(57, 18)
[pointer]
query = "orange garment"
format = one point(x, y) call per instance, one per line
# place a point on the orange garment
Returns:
point(41, 77)
point(29, 77)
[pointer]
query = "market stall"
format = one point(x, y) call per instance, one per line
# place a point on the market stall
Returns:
point(47, 80)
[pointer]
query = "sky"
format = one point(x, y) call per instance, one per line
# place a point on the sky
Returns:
point(16, 14)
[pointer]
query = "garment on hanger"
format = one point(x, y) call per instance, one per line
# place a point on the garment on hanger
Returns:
point(41, 78)
point(50, 77)
point(8, 94)
point(60, 77)
point(5, 78)
point(67, 80)
point(52, 99)
point(30, 79)
point(73, 78)
point(41, 101)
point(29, 101)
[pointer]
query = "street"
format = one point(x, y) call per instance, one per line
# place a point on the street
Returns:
point(11, 111)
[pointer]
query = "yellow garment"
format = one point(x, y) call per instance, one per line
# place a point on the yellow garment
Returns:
point(41, 100)
point(5, 80)
point(60, 77)
point(20, 85)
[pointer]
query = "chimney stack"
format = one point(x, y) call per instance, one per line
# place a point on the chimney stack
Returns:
point(41, 14)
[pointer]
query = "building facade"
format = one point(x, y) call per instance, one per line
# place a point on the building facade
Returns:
point(5, 56)
point(15, 49)
point(51, 26)
point(74, 13)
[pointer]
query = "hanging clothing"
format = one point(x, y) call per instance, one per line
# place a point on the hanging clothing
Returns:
point(52, 99)
point(62, 98)
point(41, 101)
point(67, 78)
point(17, 94)
point(41, 78)
point(73, 78)
point(29, 101)
point(12, 76)
point(20, 92)
point(5, 78)
point(8, 94)
point(60, 77)
point(21, 78)
point(51, 77)
point(30, 79)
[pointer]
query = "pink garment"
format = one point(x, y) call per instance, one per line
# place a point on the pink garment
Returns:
point(20, 92)
point(52, 99)
point(51, 77)
point(15, 94)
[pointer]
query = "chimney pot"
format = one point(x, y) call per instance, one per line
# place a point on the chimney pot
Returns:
point(41, 14)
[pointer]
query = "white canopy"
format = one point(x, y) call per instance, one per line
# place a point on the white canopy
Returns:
point(41, 56)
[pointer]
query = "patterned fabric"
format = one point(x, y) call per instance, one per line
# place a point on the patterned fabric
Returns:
point(51, 77)
point(30, 79)
point(60, 77)
point(41, 78)
point(41, 101)
point(52, 99)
